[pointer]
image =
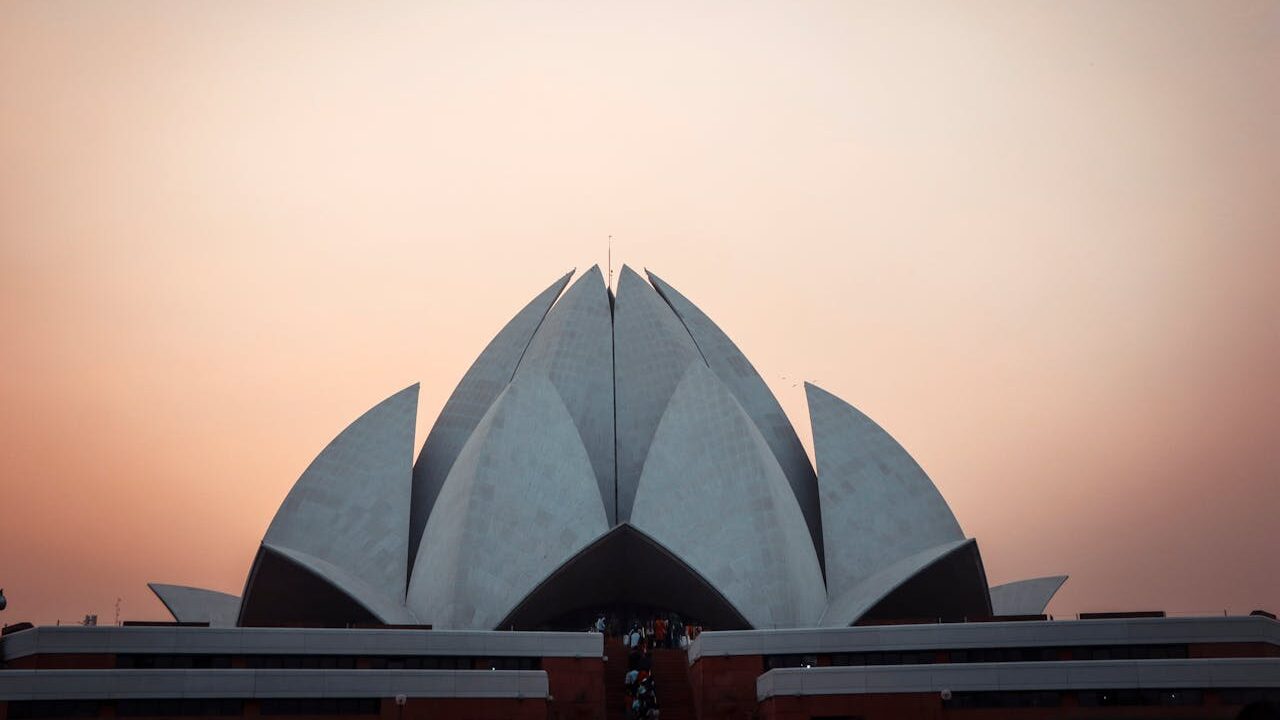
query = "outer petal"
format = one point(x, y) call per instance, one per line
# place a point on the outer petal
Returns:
point(193, 604)
point(942, 581)
point(293, 588)
point(348, 515)
point(736, 372)
point(520, 501)
point(878, 506)
point(653, 352)
point(488, 375)
point(574, 350)
point(1025, 597)
point(713, 494)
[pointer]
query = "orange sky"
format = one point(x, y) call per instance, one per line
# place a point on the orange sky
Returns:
point(1038, 242)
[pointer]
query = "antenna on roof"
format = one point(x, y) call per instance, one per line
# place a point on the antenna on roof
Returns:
point(610, 262)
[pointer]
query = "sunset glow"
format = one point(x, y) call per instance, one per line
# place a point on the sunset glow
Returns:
point(1037, 242)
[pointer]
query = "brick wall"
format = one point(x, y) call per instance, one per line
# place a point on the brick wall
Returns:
point(576, 686)
point(725, 687)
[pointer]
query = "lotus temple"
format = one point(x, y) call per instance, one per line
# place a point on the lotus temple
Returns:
point(608, 459)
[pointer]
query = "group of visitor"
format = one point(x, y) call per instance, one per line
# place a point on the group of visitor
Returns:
point(641, 696)
point(640, 636)
point(660, 631)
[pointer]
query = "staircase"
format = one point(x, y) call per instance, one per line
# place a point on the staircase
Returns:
point(670, 678)
point(615, 669)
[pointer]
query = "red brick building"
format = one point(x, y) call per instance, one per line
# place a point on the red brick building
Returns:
point(1137, 667)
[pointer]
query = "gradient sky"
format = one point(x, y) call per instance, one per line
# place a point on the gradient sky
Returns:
point(1038, 242)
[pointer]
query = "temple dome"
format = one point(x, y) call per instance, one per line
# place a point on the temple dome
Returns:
point(612, 452)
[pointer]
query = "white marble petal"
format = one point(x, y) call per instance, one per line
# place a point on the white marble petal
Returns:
point(1025, 597)
point(653, 352)
point(486, 377)
point(350, 508)
point(195, 605)
point(521, 499)
point(713, 494)
point(849, 606)
point(736, 372)
point(878, 505)
point(574, 350)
